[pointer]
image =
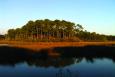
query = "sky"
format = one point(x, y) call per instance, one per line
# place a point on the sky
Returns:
point(94, 15)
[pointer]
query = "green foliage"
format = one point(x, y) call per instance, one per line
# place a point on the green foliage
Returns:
point(11, 34)
point(88, 36)
point(2, 37)
point(57, 30)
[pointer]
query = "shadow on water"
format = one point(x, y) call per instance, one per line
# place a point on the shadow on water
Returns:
point(10, 56)
point(68, 55)
point(87, 52)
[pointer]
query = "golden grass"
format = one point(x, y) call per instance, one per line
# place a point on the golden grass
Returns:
point(41, 45)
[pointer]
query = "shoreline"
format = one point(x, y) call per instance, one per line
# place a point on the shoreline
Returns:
point(43, 45)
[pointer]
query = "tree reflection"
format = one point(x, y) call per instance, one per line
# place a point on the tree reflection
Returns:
point(68, 55)
point(64, 73)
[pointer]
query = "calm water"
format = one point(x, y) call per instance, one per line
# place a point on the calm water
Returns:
point(66, 68)
point(14, 63)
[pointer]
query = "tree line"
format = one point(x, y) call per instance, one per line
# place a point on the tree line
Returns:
point(2, 37)
point(54, 30)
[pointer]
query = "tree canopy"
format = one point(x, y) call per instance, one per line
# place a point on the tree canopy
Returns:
point(54, 30)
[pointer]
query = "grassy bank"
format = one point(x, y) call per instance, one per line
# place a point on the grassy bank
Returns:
point(41, 45)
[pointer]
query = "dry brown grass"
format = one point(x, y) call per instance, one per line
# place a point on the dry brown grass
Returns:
point(41, 45)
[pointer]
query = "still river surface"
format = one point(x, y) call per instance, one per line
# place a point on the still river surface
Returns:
point(66, 68)
point(13, 66)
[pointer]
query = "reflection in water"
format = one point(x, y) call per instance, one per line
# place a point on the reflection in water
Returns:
point(70, 57)
point(64, 73)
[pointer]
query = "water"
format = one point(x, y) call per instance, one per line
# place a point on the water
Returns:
point(12, 64)
point(66, 68)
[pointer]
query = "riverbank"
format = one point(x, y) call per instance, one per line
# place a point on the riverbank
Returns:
point(42, 45)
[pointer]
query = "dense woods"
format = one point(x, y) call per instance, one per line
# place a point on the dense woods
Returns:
point(54, 30)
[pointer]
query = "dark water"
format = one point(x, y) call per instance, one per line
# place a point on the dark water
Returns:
point(90, 62)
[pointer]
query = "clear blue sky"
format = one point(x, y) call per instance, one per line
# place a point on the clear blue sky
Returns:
point(95, 15)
